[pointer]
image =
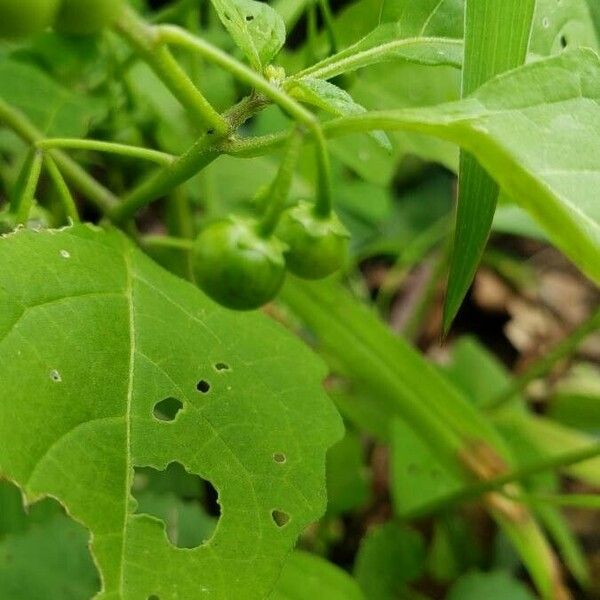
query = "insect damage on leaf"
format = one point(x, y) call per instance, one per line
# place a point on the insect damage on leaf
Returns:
point(114, 365)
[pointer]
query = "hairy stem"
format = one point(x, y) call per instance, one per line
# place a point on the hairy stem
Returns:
point(144, 39)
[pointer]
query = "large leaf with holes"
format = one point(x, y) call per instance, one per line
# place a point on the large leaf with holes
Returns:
point(93, 336)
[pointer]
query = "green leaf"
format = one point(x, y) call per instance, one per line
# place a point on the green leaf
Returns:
point(550, 439)
point(496, 40)
point(49, 560)
point(476, 371)
point(426, 17)
point(307, 577)
point(390, 556)
point(93, 336)
point(491, 586)
point(255, 27)
point(553, 21)
point(560, 25)
point(401, 383)
point(575, 400)
point(595, 10)
point(552, 104)
point(383, 44)
point(347, 476)
point(417, 475)
point(390, 368)
point(334, 100)
point(54, 110)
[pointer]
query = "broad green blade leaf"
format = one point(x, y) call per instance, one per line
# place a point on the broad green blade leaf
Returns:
point(256, 28)
point(390, 556)
point(309, 577)
point(496, 40)
point(334, 100)
point(391, 369)
point(552, 104)
point(491, 586)
point(54, 110)
point(93, 336)
point(405, 385)
point(383, 44)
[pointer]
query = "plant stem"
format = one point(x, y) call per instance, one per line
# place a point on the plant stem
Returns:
point(162, 182)
point(165, 241)
point(171, 34)
point(329, 25)
point(23, 200)
point(280, 187)
point(103, 198)
point(323, 202)
point(156, 156)
point(489, 485)
point(177, 36)
point(62, 189)
point(544, 364)
point(144, 38)
point(589, 501)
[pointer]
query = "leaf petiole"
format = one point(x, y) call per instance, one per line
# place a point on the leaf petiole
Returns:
point(280, 187)
point(161, 158)
point(62, 189)
point(26, 186)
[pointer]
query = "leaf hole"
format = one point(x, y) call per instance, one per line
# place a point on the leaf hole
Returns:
point(249, 17)
point(55, 376)
point(563, 42)
point(280, 517)
point(279, 457)
point(167, 409)
point(203, 386)
point(221, 366)
point(65, 254)
point(187, 504)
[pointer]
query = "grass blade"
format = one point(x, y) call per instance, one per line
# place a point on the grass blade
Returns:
point(496, 39)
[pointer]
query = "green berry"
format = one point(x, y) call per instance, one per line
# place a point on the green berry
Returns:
point(86, 17)
point(20, 18)
point(235, 266)
point(317, 246)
